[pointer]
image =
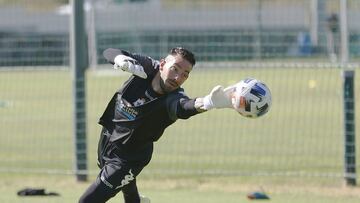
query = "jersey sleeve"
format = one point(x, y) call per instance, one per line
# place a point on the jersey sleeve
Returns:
point(150, 65)
point(181, 106)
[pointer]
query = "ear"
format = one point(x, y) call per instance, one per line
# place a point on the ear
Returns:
point(162, 64)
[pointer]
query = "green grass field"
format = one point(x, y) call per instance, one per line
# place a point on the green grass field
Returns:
point(295, 152)
point(188, 189)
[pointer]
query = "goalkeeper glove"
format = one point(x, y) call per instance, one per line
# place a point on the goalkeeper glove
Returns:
point(218, 98)
point(130, 65)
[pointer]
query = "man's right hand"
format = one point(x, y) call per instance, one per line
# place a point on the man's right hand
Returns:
point(218, 98)
point(130, 65)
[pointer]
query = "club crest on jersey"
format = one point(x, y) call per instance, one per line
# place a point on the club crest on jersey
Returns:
point(139, 102)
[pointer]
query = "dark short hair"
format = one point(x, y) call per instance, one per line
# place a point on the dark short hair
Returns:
point(184, 53)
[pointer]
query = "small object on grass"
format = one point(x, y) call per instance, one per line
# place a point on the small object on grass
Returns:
point(257, 195)
point(36, 192)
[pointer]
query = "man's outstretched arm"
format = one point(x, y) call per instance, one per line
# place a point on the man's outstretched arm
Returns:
point(218, 98)
point(124, 61)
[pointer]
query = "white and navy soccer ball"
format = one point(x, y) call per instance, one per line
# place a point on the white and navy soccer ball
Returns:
point(251, 98)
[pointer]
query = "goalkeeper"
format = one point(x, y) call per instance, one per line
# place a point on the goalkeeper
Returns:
point(137, 115)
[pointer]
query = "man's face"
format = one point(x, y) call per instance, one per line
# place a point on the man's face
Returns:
point(174, 70)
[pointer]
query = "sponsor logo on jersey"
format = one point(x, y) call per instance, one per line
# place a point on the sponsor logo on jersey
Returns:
point(128, 112)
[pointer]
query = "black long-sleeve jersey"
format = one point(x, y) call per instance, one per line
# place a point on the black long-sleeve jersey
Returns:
point(137, 116)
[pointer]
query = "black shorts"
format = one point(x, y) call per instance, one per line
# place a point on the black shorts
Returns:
point(117, 174)
point(109, 152)
point(117, 167)
point(112, 179)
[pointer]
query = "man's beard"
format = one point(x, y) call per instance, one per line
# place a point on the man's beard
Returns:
point(162, 86)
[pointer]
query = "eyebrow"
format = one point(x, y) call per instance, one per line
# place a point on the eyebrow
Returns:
point(181, 67)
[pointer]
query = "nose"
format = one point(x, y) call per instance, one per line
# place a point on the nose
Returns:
point(177, 77)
